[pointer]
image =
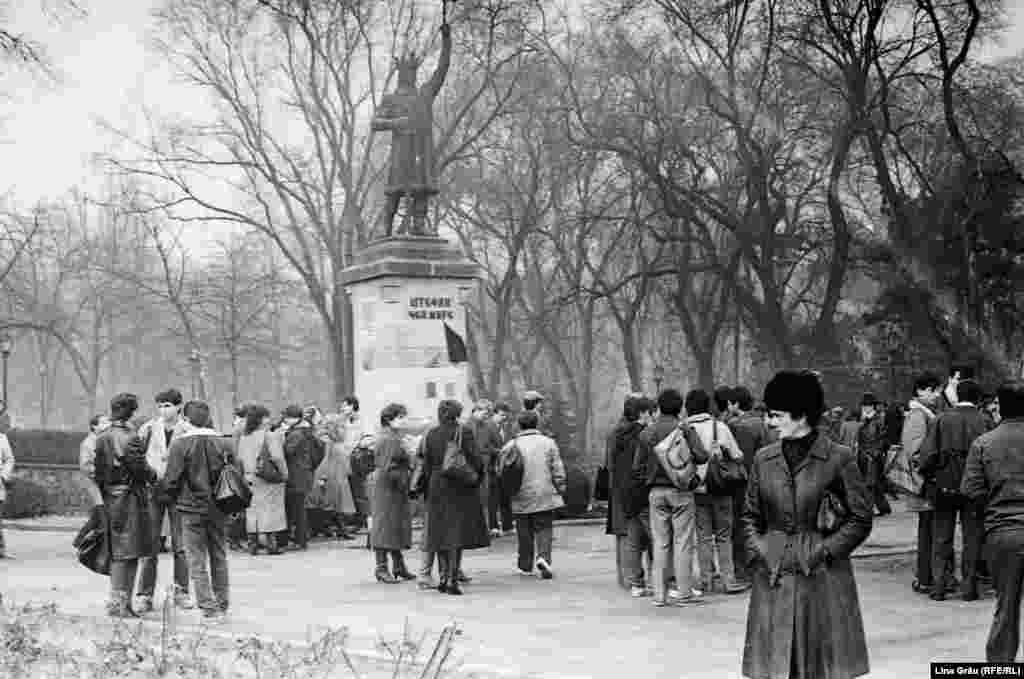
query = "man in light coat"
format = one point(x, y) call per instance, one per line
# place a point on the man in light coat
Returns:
point(87, 456)
point(919, 419)
point(544, 483)
point(157, 435)
point(6, 474)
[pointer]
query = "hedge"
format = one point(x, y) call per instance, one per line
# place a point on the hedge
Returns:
point(25, 499)
point(45, 446)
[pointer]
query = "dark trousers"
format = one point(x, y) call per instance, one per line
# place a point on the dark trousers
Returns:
point(739, 547)
point(295, 513)
point(148, 564)
point(924, 548)
point(535, 533)
point(872, 467)
point(972, 527)
point(1006, 563)
point(499, 506)
point(206, 548)
point(122, 579)
point(449, 565)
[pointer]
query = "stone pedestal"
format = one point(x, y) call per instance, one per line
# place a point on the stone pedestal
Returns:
point(404, 290)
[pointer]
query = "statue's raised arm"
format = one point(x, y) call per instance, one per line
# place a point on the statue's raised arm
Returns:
point(433, 86)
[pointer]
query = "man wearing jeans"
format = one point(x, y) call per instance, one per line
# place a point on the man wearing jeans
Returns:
point(540, 494)
point(673, 511)
point(194, 466)
point(157, 435)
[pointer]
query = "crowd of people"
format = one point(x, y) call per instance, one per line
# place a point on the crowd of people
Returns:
point(707, 492)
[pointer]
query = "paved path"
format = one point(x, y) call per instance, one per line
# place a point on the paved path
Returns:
point(578, 625)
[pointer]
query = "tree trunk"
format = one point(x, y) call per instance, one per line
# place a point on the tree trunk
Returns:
point(631, 355)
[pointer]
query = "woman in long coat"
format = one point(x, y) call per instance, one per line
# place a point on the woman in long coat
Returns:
point(265, 517)
point(454, 512)
point(391, 529)
point(332, 492)
point(125, 480)
point(804, 620)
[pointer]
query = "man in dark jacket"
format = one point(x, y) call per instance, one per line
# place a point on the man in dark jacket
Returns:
point(499, 509)
point(303, 453)
point(871, 450)
point(673, 510)
point(194, 464)
point(994, 477)
point(751, 434)
point(628, 516)
point(943, 456)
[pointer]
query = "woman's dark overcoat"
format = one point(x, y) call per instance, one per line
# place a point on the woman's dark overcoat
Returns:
point(392, 509)
point(125, 479)
point(804, 607)
point(621, 447)
point(455, 513)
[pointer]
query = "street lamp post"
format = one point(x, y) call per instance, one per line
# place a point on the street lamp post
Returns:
point(194, 361)
point(5, 351)
point(659, 377)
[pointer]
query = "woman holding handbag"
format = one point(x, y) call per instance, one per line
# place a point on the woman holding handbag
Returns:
point(261, 453)
point(452, 472)
point(807, 509)
point(391, 527)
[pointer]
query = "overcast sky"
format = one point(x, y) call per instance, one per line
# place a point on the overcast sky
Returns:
point(49, 133)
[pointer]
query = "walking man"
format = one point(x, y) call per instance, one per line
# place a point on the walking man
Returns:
point(871, 451)
point(499, 510)
point(544, 483)
point(994, 478)
point(194, 465)
point(157, 435)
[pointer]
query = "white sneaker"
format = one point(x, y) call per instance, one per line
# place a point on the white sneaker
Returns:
point(525, 574)
point(639, 592)
point(675, 594)
point(496, 533)
point(544, 568)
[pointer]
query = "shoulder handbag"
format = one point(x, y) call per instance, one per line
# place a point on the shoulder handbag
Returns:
point(677, 461)
point(231, 493)
point(266, 465)
point(455, 466)
point(724, 473)
point(832, 512)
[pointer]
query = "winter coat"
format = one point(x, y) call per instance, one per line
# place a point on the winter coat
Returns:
point(951, 435)
point(544, 480)
point(125, 479)
point(808, 613)
point(194, 465)
point(916, 424)
point(6, 466)
point(391, 507)
point(266, 514)
point(455, 515)
point(332, 491)
point(622, 444)
point(304, 452)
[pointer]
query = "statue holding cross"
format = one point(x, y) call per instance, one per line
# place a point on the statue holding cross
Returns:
point(408, 113)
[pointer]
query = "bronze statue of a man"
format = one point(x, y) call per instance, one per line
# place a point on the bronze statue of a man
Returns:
point(408, 113)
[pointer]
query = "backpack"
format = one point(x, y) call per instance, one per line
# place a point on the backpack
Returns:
point(724, 473)
point(512, 470)
point(676, 459)
point(455, 465)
